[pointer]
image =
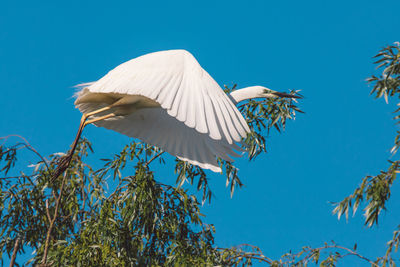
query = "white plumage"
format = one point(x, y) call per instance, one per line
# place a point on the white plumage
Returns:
point(181, 108)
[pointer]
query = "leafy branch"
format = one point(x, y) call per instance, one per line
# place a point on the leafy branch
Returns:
point(376, 190)
point(140, 222)
point(326, 255)
point(388, 83)
point(263, 115)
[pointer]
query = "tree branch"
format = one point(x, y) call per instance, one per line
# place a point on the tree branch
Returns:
point(352, 252)
point(153, 158)
point(28, 145)
point(46, 246)
point(17, 177)
point(311, 253)
point(15, 250)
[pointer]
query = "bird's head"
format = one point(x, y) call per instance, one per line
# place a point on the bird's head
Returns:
point(259, 92)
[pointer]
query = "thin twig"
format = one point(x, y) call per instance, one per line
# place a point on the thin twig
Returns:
point(28, 145)
point(17, 177)
point(253, 255)
point(153, 158)
point(15, 250)
point(83, 196)
point(47, 210)
point(48, 236)
point(309, 254)
point(352, 252)
point(117, 188)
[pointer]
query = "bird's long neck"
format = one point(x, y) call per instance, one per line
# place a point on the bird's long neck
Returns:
point(249, 92)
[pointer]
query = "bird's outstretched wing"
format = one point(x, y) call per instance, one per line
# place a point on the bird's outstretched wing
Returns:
point(188, 94)
point(156, 127)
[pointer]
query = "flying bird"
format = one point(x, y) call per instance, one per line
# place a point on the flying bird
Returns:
point(168, 100)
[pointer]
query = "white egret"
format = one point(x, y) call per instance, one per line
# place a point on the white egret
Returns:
point(168, 100)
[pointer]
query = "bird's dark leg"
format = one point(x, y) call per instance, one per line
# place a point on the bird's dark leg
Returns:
point(66, 160)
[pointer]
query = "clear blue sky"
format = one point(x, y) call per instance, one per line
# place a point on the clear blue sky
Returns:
point(323, 48)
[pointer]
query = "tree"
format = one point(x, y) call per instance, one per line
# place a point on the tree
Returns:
point(74, 221)
point(144, 222)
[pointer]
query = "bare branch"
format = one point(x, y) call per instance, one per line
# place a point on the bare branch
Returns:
point(15, 250)
point(48, 236)
point(48, 211)
point(28, 145)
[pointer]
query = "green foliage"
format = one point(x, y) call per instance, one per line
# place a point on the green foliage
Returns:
point(393, 246)
point(388, 83)
point(376, 190)
point(263, 115)
point(143, 223)
point(79, 221)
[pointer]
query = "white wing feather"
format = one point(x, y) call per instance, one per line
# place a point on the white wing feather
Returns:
point(157, 127)
point(197, 120)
